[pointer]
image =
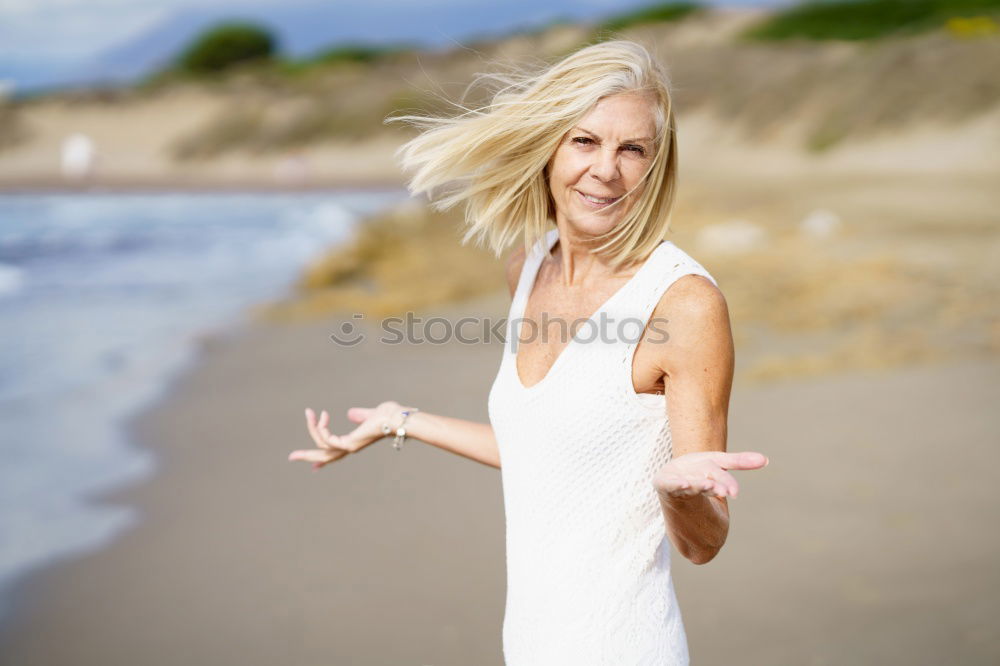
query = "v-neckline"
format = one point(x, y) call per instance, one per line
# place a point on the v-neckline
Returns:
point(572, 341)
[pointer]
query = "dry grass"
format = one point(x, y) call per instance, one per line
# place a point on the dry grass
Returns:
point(805, 307)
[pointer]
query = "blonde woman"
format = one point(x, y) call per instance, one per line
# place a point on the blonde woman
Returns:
point(608, 413)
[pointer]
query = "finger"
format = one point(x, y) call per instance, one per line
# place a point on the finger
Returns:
point(322, 431)
point(725, 479)
point(312, 455)
point(318, 430)
point(741, 460)
point(314, 431)
point(691, 489)
point(359, 414)
point(311, 424)
point(327, 439)
point(719, 490)
point(333, 457)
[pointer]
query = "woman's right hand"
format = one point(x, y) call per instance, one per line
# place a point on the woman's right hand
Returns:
point(332, 447)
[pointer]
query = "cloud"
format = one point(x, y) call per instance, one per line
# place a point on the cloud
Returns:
point(64, 30)
point(72, 29)
point(67, 30)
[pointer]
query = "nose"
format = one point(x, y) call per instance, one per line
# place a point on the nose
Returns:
point(605, 164)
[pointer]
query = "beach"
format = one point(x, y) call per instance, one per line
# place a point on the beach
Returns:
point(863, 541)
point(843, 195)
point(867, 370)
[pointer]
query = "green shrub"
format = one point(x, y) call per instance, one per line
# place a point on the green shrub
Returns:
point(661, 13)
point(227, 45)
point(359, 53)
point(865, 19)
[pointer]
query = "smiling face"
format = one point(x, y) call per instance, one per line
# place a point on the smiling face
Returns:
point(604, 156)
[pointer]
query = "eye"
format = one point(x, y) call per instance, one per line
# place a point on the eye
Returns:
point(583, 140)
point(634, 148)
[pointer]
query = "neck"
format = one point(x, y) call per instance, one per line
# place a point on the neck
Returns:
point(573, 254)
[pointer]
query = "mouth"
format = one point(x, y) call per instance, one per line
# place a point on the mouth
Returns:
point(596, 202)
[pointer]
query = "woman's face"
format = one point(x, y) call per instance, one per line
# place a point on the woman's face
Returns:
point(604, 156)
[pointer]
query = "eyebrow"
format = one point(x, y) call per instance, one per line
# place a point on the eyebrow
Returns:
point(645, 138)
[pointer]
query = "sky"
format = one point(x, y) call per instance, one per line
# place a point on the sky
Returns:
point(65, 29)
point(43, 40)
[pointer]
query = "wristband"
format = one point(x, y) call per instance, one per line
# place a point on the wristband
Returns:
point(400, 430)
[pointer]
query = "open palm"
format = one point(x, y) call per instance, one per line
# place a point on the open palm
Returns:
point(704, 472)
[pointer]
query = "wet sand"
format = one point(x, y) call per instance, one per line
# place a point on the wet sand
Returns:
point(867, 540)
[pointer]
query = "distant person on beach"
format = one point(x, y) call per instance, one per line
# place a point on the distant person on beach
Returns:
point(610, 432)
point(78, 156)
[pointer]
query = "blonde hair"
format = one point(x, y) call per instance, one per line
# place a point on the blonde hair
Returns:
point(494, 158)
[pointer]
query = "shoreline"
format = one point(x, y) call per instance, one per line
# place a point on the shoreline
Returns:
point(162, 186)
point(87, 524)
point(34, 591)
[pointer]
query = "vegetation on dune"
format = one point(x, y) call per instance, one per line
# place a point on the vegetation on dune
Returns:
point(344, 55)
point(660, 13)
point(858, 20)
point(13, 129)
point(280, 104)
point(226, 45)
point(257, 129)
point(356, 53)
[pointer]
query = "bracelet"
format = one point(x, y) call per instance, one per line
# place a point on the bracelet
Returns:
point(400, 437)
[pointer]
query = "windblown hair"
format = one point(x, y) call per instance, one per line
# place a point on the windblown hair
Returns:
point(494, 158)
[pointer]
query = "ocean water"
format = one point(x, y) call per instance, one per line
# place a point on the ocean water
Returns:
point(102, 300)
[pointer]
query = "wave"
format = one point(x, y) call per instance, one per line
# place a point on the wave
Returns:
point(11, 279)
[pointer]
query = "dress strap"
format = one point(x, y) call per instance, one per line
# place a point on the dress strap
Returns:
point(529, 270)
point(672, 264)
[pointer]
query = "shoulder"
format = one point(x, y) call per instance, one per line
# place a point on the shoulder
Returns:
point(514, 264)
point(696, 318)
point(693, 297)
point(692, 291)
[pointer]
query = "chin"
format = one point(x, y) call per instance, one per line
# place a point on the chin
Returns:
point(591, 224)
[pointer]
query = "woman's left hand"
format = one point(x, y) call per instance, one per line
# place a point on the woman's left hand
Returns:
point(704, 472)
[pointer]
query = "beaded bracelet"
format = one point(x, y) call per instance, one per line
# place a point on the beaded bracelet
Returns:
point(400, 437)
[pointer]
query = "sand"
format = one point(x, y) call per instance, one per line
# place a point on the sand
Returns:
point(867, 540)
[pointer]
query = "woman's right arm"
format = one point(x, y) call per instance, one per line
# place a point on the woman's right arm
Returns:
point(473, 440)
point(466, 438)
point(470, 439)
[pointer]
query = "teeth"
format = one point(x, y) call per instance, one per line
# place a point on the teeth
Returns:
point(596, 200)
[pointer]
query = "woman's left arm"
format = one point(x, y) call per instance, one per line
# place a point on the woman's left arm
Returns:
point(697, 361)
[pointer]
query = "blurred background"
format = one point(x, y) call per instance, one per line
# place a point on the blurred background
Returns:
point(195, 196)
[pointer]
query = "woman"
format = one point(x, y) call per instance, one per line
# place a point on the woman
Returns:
point(611, 444)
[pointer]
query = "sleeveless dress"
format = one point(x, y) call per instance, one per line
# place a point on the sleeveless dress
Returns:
point(588, 556)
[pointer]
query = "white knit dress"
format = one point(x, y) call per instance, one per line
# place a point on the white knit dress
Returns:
point(588, 557)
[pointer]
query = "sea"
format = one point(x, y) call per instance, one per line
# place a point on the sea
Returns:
point(104, 297)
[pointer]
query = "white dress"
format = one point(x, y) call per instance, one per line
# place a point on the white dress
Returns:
point(588, 557)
